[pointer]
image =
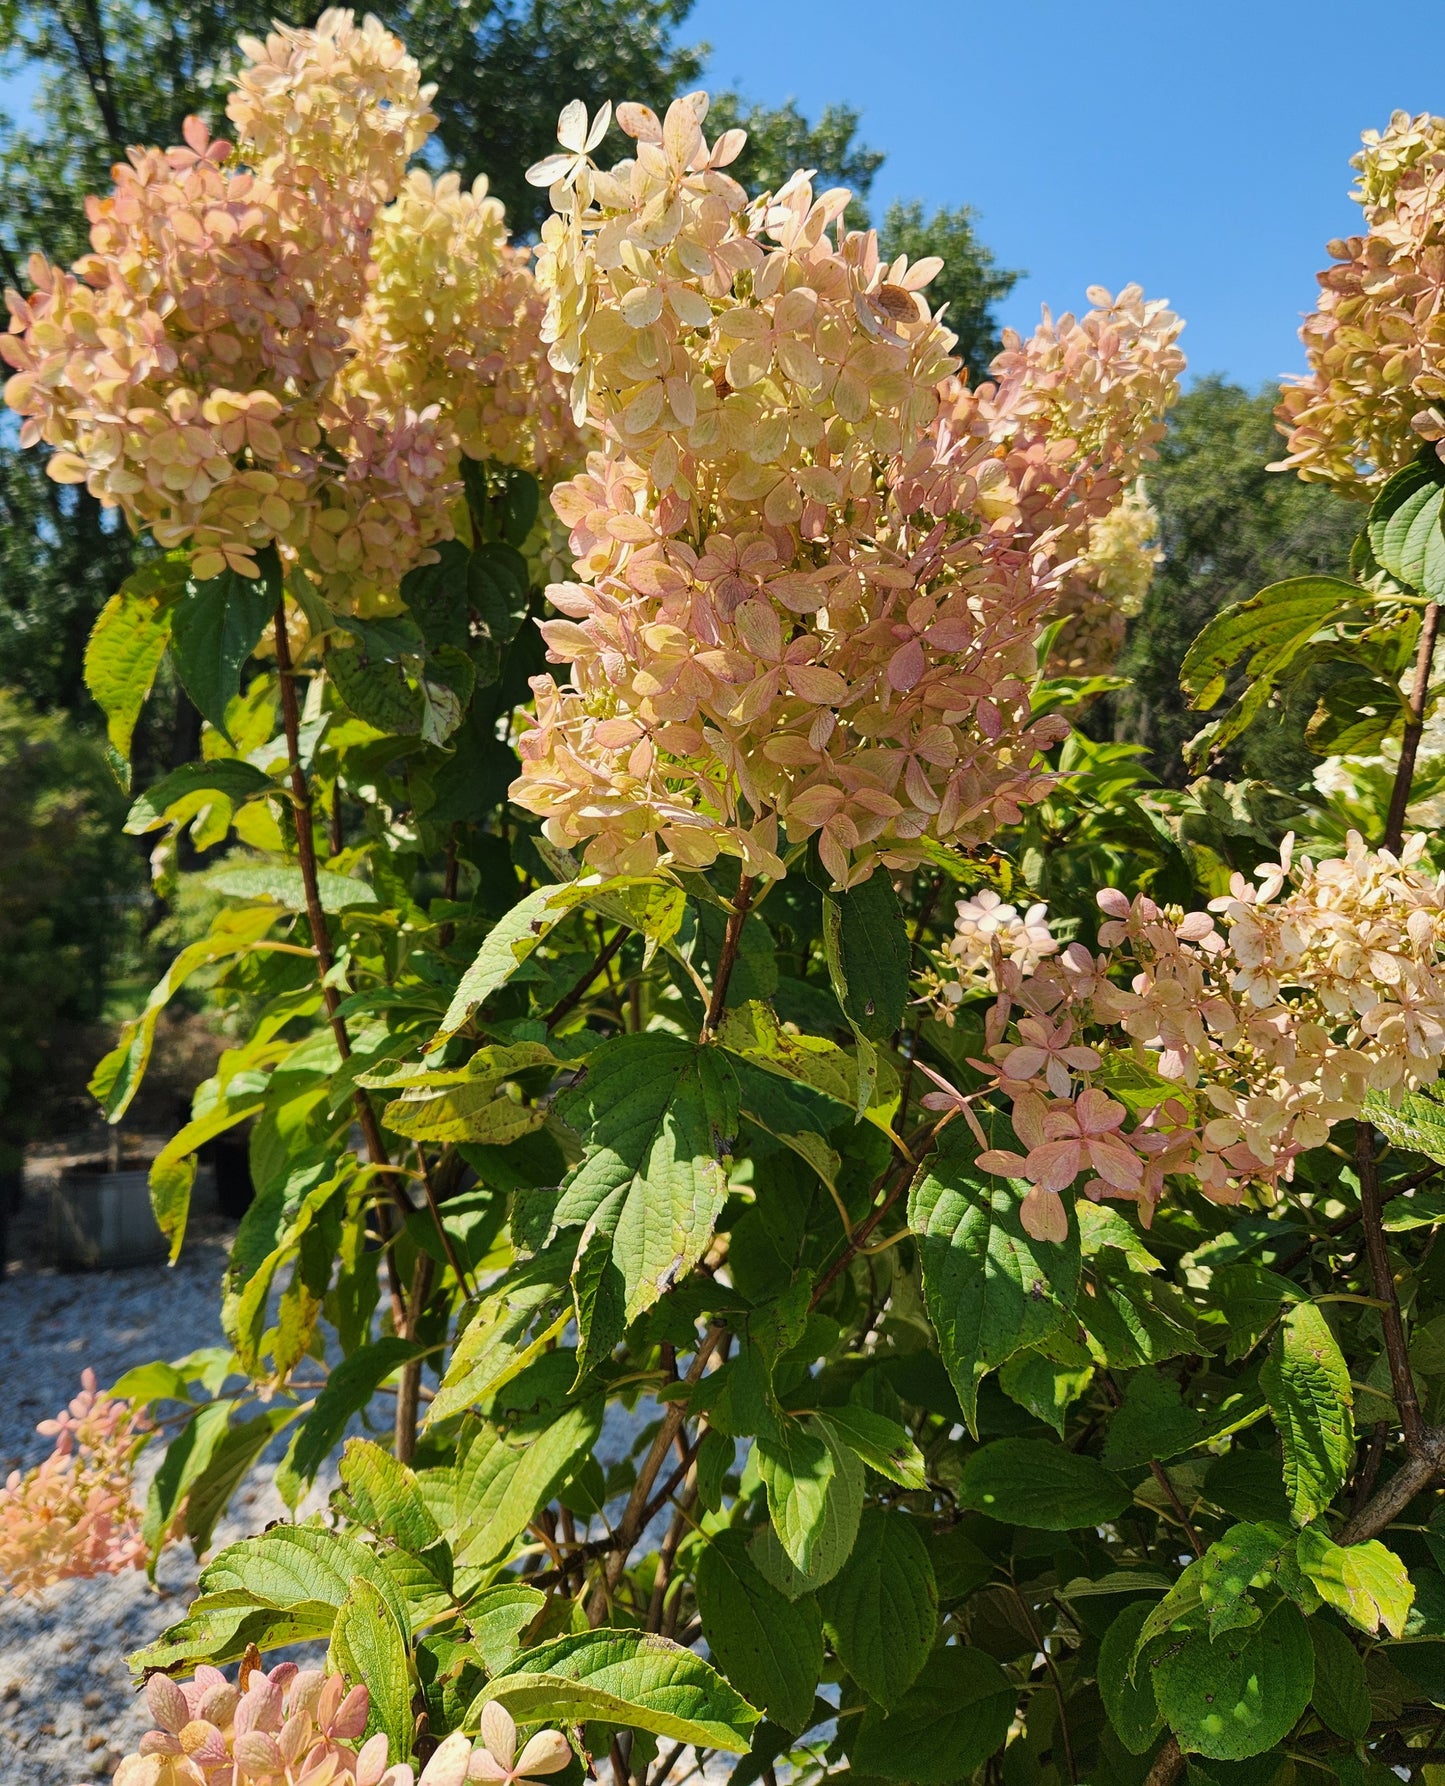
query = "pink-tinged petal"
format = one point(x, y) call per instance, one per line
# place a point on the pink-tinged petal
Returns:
point(1024, 1062)
point(371, 1760)
point(499, 1732)
point(1116, 1163)
point(486, 1767)
point(1098, 1112)
point(1028, 1119)
point(906, 666)
point(548, 1752)
point(1007, 1165)
point(1055, 1165)
point(448, 1766)
point(1044, 1216)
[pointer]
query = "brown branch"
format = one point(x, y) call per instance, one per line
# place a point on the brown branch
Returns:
point(727, 960)
point(305, 819)
point(408, 1393)
point(1165, 1481)
point(904, 1171)
point(1416, 1473)
point(634, 1516)
point(1396, 1346)
point(449, 889)
point(1410, 742)
point(570, 1000)
point(1168, 1765)
point(459, 1271)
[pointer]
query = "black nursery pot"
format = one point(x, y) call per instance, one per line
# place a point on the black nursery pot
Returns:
point(235, 1193)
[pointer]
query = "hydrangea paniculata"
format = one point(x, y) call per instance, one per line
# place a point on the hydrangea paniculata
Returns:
point(301, 1727)
point(208, 368)
point(74, 1514)
point(1375, 340)
point(1263, 1022)
point(805, 603)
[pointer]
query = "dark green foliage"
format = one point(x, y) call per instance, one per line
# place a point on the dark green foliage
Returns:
point(66, 878)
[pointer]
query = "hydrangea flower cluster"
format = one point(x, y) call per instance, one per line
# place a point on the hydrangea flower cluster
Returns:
point(1325, 983)
point(806, 605)
point(301, 1727)
point(1376, 338)
point(199, 369)
point(1074, 413)
point(454, 322)
point(981, 925)
point(74, 1514)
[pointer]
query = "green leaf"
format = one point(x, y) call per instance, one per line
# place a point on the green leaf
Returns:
point(658, 1118)
point(118, 1076)
point(436, 596)
point(769, 1647)
point(187, 1458)
point(1249, 1297)
point(1231, 1563)
point(1341, 1691)
point(1270, 630)
point(882, 1606)
point(989, 1287)
point(215, 626)
point(282, 1586)
point(376, 689)
point(883, 1444)
point(866, 944)
point(349, 1388)
point(1126, 1690)
point(504, 1479)
point(631, 1678)
point(1151, 1424)
point(497, 1617)
point(210, 1491)
point(1404, 528)
point(1416, 1122)
point(229, 777)
point(286, 887)
point(1367, 1583)
point(1035, 1483)
point(1047, 1388)
point(173, 1170)
point(508, 944)
point(1416, 1209)
point(127, 645)
point(815, 1495)
point(953, 1717)
point(513, 1324)
point(386, 1496)
point(1307, 1385)
point(369, 1648)
point(1242, 1694)
point(497, 587)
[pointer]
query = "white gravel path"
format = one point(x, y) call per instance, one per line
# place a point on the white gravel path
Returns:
point(68, 1711)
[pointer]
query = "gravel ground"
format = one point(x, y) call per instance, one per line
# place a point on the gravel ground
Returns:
point(68, 1710)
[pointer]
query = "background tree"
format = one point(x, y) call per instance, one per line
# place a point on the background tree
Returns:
point(1228, 527)
point(116, 73)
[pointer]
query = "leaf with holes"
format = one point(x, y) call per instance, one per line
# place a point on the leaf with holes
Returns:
point(1307, 1385)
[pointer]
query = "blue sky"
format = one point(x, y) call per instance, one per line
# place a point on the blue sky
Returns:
point(1200, 147)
